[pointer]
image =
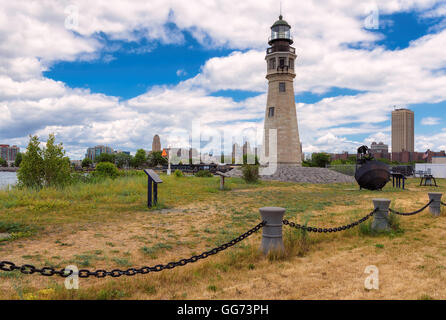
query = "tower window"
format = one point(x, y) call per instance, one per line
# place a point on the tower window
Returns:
point(270, 112)
point(281, 62)
point(272, 63)
point(281, 86)
point(291, 63)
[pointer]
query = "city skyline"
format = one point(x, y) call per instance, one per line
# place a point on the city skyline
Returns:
point(161, 65)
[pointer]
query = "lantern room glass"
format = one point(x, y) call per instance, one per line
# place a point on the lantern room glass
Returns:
point(280, 32)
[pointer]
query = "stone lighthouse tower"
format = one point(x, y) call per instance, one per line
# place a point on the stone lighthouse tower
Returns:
point(281, 108)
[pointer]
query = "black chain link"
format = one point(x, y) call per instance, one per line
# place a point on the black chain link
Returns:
point(444, 204)
point(330, 230)
point(411, 213)
point(83, 273)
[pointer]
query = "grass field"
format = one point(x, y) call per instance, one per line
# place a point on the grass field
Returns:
point(107, 225)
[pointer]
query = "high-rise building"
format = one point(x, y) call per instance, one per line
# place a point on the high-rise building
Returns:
point(94, 152)
point(8, 153)
point(156, 144)
point(280, 111)
point(403, 133)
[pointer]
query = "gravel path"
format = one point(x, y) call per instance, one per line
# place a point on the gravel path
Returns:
point(302, 174)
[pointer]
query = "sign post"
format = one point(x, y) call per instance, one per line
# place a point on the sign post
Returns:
point(155, 179)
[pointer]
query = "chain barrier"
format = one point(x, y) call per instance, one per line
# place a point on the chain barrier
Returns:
point(330, 230)
point(442, 203)
point(49, 271)
point(411, 213)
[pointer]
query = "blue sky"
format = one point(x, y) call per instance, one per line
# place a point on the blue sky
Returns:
point(120, 74)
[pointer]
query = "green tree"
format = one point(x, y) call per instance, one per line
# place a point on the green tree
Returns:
point(56, 166)
point(18, 160)
point(3, 162)
point(86, 163)
point(123, 160)
point(105, 157)
point(320, 159)
point(139, 159)
point(155, 158)
point(44, 167)
point(30, 173)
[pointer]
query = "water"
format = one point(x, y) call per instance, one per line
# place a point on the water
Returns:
point(7, 178)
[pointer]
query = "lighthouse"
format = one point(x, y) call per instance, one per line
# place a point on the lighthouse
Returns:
point(280, 111)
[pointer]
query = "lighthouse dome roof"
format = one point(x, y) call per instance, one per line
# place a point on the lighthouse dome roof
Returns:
point(280, 22)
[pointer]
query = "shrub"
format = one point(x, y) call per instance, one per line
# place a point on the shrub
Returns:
point(178, 173)
point(203, 174)
point(106, 170)
point(250, 173)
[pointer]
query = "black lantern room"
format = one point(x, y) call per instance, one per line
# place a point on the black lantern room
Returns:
point(280, 31)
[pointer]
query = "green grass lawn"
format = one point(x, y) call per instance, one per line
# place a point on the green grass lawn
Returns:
point(108, 225)
point(27, 210)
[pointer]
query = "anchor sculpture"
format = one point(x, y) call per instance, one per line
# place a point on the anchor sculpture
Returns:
point(370, 173)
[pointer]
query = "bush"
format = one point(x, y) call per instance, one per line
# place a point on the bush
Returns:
point(106, 170)
point(204, 174)
point(178, 173)
point(250, 173)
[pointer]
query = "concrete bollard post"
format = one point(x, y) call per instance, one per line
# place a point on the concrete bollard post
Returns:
point(272, 240)
point(381, 217)
point(435, 206)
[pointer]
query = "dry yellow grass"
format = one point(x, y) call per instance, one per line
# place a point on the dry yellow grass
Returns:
point(412, 264)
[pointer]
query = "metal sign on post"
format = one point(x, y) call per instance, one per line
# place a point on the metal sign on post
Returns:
point(152, 177)
point(222, 179)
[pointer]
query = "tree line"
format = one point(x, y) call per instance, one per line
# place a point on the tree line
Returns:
point(123, 160)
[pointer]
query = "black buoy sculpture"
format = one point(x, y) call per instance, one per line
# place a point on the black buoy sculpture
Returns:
point(370, 173)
